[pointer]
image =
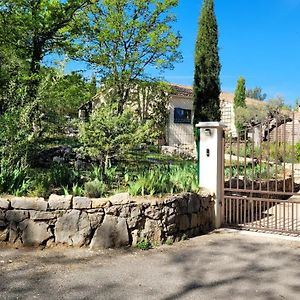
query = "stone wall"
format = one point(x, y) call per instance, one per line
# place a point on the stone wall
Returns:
point(103, 223)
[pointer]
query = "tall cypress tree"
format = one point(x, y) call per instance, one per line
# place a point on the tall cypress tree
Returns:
point(239, 102)
point(207, 67)
point(240, 94)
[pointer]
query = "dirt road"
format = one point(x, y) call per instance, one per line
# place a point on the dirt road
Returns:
point(216, 266)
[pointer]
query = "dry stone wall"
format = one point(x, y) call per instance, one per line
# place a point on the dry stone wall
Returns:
point(103, 223)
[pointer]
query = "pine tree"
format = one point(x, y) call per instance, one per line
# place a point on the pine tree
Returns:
point(207, 67)
point(240, 94)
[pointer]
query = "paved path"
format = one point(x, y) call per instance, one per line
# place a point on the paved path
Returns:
point(216, 266)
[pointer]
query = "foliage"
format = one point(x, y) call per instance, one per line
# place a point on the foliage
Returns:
point(274, 152)
point(14, 179)
point(163, 180)
point(256, 93)
point(239, 102)
point(144, 245)
point(260, 171)
point(108, 135)
point(63, 94)
point(240, 94)
point(123, 38)
point(94, 189)
point(207, 67)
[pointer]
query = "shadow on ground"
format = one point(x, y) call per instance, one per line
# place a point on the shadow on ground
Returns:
point(221, 266)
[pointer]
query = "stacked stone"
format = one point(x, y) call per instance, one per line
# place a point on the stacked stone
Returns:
point(103, 223)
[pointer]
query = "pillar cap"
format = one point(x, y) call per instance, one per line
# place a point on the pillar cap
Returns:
point(211, 125)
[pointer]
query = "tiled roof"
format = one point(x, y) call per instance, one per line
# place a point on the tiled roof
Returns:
point(187, 91)
point(181, 90)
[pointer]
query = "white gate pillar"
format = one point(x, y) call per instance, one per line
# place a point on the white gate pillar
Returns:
point(211, 163)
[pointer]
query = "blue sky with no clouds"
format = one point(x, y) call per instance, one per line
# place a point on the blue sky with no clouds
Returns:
point(258, 39)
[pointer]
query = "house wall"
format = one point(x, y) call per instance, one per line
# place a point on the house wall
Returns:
point(182, 134)
point(179, 134)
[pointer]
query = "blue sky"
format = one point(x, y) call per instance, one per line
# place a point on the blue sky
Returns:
point(258, 39)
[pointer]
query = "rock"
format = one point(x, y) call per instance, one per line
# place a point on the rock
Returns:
point(194, 203)
point(17, 215)
point(184, 222)
point(100, 203)
point(60, 202)
point(12, 232)
point(152, 231)
point(4, 203)
point(73, 228)
point(135, 211)
point(113, 210)
point(134, 237)
point(121, 198)
point(34, 233)
point(42, 215)
point(194, 221)
point(29, 203)
point(171, 229)
point(112, 233)
point(96, 219)
point(153, 213)
point(82, 203)
point(3, 234)
point(124, 211)
point(2, 215)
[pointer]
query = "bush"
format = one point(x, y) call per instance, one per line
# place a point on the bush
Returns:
point(144, 245)
point(94, 189)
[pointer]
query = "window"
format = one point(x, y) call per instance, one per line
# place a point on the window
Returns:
point(182, 115)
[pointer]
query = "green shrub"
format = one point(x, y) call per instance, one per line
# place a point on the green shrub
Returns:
point(94, 189)
point(144, 245)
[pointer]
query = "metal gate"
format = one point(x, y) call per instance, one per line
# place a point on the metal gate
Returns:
point(262, 176)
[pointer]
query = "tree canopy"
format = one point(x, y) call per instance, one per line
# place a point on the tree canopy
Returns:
point(124, 38)
point(256, 93)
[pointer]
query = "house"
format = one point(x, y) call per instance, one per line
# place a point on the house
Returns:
point(179, 130)
point(180, 126)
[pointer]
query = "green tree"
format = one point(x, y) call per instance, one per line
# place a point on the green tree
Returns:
point(37, 28)
point(207, 67)
point(122, 38)
point(108, 135)
point(240, 94)
point(256, 93)
point(239, 102)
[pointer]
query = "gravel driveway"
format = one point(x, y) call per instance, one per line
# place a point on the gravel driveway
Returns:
point(225, 265)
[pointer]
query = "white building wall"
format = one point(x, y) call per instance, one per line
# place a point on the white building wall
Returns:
point(180, 134)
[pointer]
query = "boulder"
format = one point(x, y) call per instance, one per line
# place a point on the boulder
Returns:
point(34, 233)
point(3, 234)
point(17, 215)
point(60, 202)
point(121, 198)
point(33, 203)
point(82, 203)
point(73, 228)
point(4, 203)
point(96, 219)
point(100, 203)
point(112, 233)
